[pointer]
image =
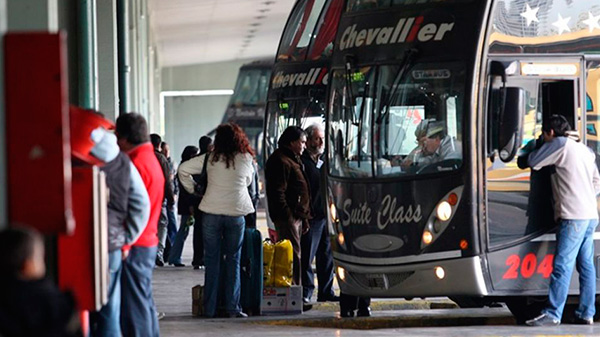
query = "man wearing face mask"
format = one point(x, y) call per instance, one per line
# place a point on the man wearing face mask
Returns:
point(315, 243)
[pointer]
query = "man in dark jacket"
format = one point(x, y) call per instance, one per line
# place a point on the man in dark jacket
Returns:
point(315, 243)
point(169, 201)
point(288, 193)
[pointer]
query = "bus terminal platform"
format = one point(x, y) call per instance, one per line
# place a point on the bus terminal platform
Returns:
point(418, 317)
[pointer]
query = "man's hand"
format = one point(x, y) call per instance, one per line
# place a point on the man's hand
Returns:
point(124, 253)
point(305, 226)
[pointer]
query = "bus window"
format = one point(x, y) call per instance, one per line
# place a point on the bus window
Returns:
point(592, 110)
point(251, 87)
point(351, 110)
point(299, 30)
point(322, 47)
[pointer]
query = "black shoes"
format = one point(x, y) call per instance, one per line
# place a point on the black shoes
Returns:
point(198, 267)
point(179, 264)
point(364, 312)
point(543, 320)
point(160, 262)
point(331, 298)
point(583, 321)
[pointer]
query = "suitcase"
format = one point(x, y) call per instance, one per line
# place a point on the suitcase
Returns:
point(251, 269)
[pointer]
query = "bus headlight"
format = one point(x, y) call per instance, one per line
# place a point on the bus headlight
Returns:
point(427, 237)
point(341, 272)
point(443, 211)
point(341, 238)
point(333, 212)
point(440, 273)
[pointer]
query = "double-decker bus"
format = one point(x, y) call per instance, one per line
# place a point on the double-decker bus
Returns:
point(246, 106)
point(429, 104)
point(298, 89)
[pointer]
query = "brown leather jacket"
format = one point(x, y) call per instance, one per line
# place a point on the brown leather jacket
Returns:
point(288, 194)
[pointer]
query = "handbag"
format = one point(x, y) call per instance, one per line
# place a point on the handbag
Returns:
point(200, 187)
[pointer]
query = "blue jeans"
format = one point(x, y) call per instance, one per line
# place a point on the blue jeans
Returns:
point(182, 234)
point(574, 246)
point(172, 227)
point(138, 313)
point(106, 321)
point(315, 243)
point(223, 235)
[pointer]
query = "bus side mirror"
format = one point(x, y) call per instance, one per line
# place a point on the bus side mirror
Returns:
point(510, 123)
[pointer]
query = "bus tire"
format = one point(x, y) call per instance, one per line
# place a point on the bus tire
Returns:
point(468, 302)
point(525, 308)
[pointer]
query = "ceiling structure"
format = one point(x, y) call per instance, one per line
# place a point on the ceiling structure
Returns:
point(206, 31)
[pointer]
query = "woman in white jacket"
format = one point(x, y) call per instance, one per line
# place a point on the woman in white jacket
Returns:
point(226, 201)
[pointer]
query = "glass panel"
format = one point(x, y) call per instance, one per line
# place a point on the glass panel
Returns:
point(282, 114)
point(420, 119)
point(519, 200)
point(592, 102)
point(251, 87)
point(350, 152)
point(361, 5)
point(299, 30)
point(322, 47)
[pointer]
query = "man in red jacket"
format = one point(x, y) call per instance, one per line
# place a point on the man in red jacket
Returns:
point(138, 313)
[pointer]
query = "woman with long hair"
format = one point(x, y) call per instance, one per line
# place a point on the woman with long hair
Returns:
point(226, 201)
point(185, 207)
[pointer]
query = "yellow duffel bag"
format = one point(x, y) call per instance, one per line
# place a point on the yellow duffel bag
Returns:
point(283, 262)
point(268, 255)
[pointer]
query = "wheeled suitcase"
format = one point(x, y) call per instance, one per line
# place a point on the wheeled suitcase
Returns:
point(251, 269)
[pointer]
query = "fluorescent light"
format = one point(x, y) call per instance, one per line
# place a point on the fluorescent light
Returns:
point(222, 92)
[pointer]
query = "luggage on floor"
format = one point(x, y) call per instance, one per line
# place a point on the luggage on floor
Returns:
point(283, 263)
point(251, 269)
point(268, 253)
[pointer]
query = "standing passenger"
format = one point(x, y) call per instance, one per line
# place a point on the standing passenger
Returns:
point(575, 186)
point(288, 195)
point(186, 203)
point(138, 313)
point(172, 227)
point(224, 205)
point(128, 213)
point(168, 202)
point(315, 243)
point(205, 145)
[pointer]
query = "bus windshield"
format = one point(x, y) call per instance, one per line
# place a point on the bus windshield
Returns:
point(251, 87)
point(388, 121)
point(361, 5)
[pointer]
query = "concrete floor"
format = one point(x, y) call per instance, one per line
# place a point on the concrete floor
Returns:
point(173, 296)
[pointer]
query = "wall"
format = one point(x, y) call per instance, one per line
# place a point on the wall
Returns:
point(187, 118)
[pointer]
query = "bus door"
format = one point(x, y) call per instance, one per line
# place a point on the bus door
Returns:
point(519, 206)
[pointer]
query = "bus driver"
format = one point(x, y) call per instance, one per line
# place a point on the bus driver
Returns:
point(434, 145)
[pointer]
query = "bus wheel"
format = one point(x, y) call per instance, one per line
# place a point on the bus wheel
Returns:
point(525, 308)
point(468, 302)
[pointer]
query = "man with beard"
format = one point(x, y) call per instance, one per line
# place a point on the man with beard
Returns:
point(315, 243)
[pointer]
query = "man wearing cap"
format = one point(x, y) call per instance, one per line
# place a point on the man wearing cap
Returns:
point(138, 313)
point(434, 145)
point(128, 213)
point(128, 206)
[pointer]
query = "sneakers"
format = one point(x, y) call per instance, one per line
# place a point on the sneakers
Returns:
point(238, 315)
point(583, 321)
point(543, 320)
point(331, 298)
point(160, 315)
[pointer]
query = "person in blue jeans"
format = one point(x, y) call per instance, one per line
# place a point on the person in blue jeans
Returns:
point(128, 211)
point(225, 203)
point(185, 207)
point(575, 186)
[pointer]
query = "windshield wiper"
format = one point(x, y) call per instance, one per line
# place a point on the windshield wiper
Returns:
point(349, 65)
point(407, 60)
point(361, 119)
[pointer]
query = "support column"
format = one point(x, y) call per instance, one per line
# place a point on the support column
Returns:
point(3, 182)
point(108, 87)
